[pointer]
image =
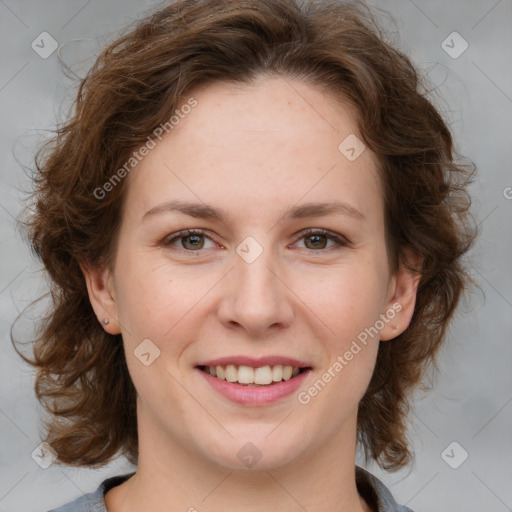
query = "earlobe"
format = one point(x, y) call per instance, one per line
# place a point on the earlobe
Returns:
point(403, 292)
point(102, 297)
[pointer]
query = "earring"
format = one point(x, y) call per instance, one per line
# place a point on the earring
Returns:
point(105, 321)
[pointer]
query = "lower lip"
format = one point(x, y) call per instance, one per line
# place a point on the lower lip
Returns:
point(255, 395)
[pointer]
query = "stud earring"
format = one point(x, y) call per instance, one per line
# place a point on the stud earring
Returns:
point(105, 321)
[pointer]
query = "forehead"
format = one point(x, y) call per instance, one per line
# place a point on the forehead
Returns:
point(261, 145)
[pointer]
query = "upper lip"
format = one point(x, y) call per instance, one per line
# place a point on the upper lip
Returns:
point(255, 362)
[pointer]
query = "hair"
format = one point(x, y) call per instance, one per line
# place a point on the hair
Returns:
point(134, 86)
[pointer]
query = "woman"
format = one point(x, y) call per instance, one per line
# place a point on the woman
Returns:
point(254, 226)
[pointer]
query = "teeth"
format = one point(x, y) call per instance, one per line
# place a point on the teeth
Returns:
point(277, 373)
point(247, 375)
point(263, 375)
point(231, 373)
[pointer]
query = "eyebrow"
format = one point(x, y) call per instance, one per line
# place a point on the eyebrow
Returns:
point(204, 211)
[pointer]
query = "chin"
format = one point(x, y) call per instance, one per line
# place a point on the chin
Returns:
point(254, 452)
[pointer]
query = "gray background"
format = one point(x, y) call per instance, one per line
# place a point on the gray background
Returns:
point(471, 401)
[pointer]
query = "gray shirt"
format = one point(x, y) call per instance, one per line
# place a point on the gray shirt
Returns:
point(370, 487)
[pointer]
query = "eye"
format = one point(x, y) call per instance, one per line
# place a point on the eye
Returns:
point(316, 239)
point(191, 239)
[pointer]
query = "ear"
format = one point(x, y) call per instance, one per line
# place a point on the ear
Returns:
point(101, 294)
point(402, 292)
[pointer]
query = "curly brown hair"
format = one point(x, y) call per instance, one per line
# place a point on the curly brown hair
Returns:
point(134, 86)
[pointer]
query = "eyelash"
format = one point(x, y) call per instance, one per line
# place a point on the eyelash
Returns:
point(340, 241)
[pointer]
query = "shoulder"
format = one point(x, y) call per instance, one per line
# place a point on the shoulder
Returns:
point(376, 493)
point(369, 486)
point(93, 501)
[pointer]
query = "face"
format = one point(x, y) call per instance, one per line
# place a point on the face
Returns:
point(223, 260)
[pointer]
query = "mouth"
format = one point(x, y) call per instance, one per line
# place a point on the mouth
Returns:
point(254, 381)
point(263, 376)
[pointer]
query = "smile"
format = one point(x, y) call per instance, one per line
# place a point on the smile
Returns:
point(248, 376)
point(254, 386)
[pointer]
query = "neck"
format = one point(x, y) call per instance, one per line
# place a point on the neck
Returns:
point(171, 478)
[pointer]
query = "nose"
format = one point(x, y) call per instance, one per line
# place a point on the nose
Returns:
point(256, 297)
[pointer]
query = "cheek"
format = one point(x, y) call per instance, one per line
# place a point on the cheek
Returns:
point(349, 300)
point(159, 302)
point(150, 290)
point(349, 306)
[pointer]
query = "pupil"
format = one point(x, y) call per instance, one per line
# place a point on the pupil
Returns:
point(315, 239)
point(195, 241)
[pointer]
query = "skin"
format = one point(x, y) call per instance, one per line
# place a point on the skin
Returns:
point(254, 151)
